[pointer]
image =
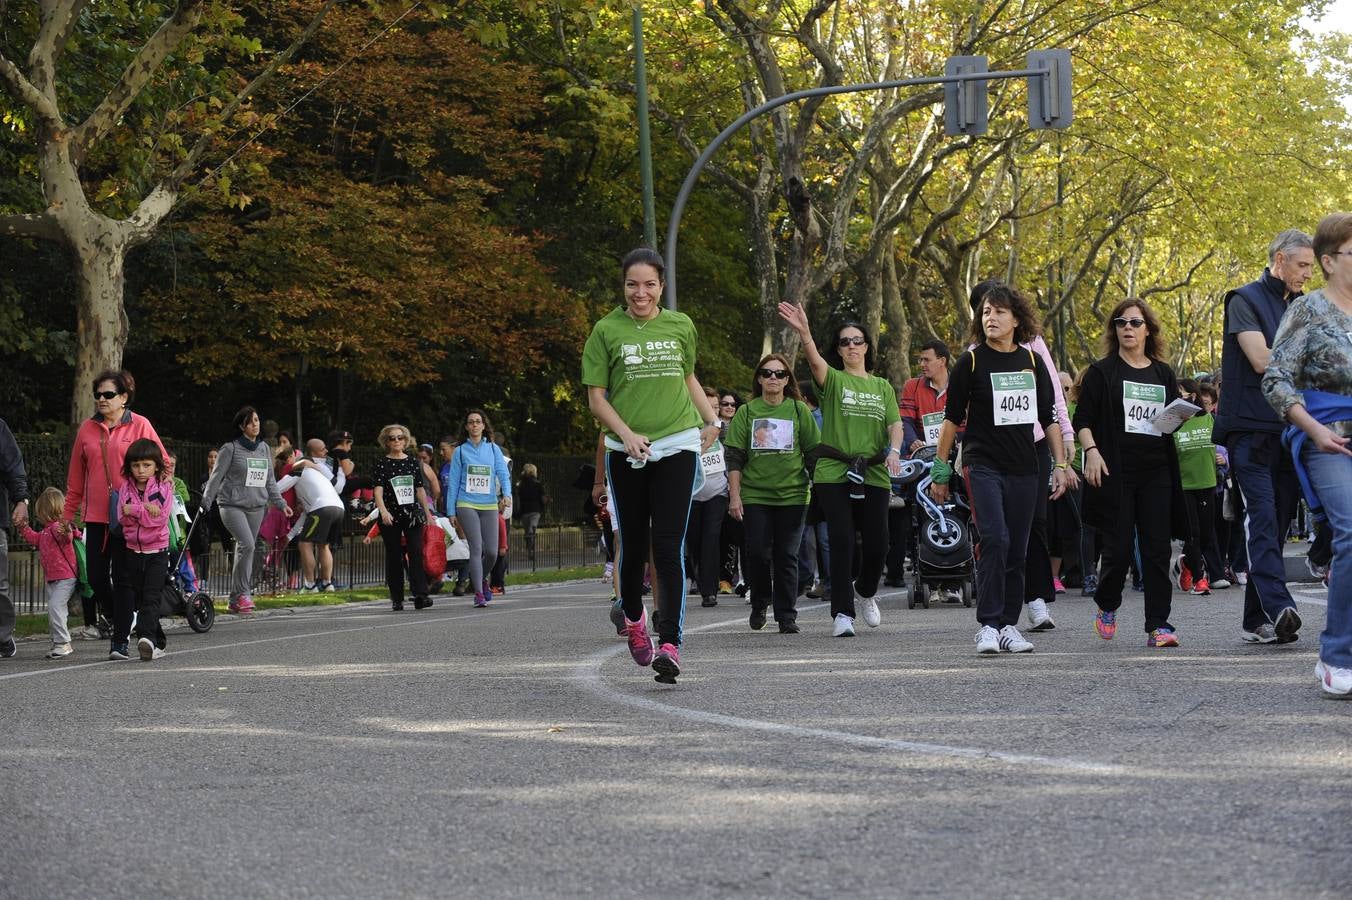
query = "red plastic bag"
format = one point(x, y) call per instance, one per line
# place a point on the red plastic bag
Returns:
point(434, 552)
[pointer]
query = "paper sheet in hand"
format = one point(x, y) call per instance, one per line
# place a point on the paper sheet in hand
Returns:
point(1174, 415)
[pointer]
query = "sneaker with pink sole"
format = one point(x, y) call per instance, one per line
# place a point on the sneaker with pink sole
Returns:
point(640, 642)
point(667, 664)
point(1058, 586)
point(241, 605)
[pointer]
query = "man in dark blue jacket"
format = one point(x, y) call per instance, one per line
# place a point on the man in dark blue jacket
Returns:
point(1251, 431)
point(13, 487)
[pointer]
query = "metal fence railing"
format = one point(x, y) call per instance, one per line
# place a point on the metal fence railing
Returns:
point(356, 564)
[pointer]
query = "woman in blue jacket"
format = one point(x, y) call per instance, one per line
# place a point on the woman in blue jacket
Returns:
point(478, 476)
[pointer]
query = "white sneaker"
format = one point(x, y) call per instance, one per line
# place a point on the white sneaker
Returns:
point(330, 588)
point(1265, 634)
point(147, 649)
point(936, 597)
point(844, 626)
point(987, 640)
point(1336, 682)
point(1039, 619)
point(868, 608)
point(59, 650)
point(1220, 584)
point(1013, 642)
point(1241, 578)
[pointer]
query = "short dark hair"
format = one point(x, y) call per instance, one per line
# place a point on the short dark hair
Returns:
point(939, 347)
point(1001, 295)
point(832, 353)
point(244, 415)
point(1331, 233)
point(645, 256)
point(121, 379)
point(143, 448)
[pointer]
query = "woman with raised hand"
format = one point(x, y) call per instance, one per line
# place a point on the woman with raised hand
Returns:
point(860, 450)
point(1134, 492)
point(767, 442)
point(639, 369)
point(245, 484)
point(478, 474)
point(1309, 383)
point(1001, 389)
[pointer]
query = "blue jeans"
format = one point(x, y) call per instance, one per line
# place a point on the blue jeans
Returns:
point(1331, 477)
point(1262, 468)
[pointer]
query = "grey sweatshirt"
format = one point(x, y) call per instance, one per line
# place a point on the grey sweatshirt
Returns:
point(232, 484)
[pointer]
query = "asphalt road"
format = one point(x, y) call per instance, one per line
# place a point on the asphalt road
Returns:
point(517, 752)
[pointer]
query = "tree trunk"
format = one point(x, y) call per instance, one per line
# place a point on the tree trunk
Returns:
point(896, 340)
point(100, 250)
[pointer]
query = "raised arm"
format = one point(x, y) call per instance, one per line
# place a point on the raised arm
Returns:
point(797, 319)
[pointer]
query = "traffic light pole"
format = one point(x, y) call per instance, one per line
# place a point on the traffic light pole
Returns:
point(688, 185)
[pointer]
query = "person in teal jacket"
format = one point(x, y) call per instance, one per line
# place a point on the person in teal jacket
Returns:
point(478, 475)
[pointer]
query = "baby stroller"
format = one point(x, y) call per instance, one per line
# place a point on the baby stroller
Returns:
point(943, 539)
point(181, 597)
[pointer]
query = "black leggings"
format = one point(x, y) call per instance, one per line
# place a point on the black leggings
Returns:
point(103, 561)
point(652, 505)
point(772, 537)
point(1037, 576)
point(703, 539)
point(394, 559)
point(1202, 550)
point(845, 517)
point(1145, 504)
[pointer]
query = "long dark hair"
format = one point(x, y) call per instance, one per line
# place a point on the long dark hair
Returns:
point(790, 384)
point(832, 354)
point(488, 426)
point(1154, 341)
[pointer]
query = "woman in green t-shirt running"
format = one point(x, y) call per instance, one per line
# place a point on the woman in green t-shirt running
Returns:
point(861, 422)
point(639, 369)
point(768, 487)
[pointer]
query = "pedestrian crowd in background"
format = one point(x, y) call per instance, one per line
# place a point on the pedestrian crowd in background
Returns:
point(994, 477)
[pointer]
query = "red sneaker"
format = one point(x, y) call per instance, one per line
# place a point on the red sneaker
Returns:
point(1201, 587)
point(667, 664)
point(1184, 578)
point(640, 642)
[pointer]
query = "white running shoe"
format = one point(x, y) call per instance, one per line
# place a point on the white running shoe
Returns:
point(868, 608)
point(987, 640)
point(844, 626)
point(1220, 584)
point(1039, 618)
point(147, 649)
point(1336, 682)
point(1241, 578)
point(1013, 642)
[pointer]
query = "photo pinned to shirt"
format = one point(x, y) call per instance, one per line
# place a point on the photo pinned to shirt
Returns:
point(771, 434)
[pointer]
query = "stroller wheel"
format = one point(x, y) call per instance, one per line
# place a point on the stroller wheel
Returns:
point(967, 593)
point(201, 612)
point(911, 592)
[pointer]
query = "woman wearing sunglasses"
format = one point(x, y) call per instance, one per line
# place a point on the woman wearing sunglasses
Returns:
point(1133, 490)
point(861, 423)
point(401, 498)
point(767, 443)
point(639, 369)
point(92, 482)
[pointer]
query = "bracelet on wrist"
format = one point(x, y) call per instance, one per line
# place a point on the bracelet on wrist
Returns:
point(1087, 449)
point(1062, 465)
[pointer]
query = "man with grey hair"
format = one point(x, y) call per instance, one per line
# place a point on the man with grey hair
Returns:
point(1261, 467)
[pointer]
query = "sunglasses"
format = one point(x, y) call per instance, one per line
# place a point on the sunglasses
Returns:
point(728, 403)
point(851, 342)
point(772, 373)
point(104, 395)
point(1128, 323)
point(397, 437)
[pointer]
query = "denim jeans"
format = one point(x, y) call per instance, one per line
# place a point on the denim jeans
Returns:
point(1331, 477)
point(1262, 468)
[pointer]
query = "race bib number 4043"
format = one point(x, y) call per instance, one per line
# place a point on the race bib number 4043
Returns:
point(1015, 398)
point(1140, 404)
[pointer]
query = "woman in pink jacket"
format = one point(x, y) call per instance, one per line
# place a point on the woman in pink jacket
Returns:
point(92, 482)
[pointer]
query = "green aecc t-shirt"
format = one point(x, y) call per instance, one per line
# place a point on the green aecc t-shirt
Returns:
point(774, 439)
point(643, 367)
point(1196, 453)
point(856, 413)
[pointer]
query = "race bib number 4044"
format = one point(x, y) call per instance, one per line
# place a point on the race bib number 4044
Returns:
point(1140, 404)
point(1015, 398)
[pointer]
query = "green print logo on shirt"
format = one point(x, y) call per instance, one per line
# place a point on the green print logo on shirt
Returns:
point(861, 403)
point(1140, 404)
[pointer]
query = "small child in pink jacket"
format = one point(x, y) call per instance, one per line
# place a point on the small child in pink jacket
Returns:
point(145, 503)
point(56, 553)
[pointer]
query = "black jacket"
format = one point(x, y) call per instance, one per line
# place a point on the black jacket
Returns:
point(13, 477)
point(1101, 412)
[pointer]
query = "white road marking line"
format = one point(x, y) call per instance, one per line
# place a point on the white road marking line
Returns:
point(589, 675)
